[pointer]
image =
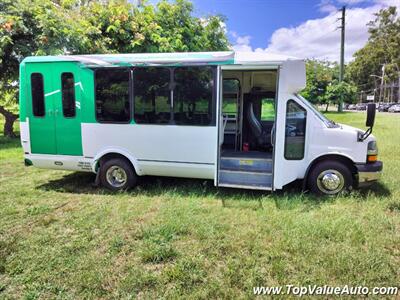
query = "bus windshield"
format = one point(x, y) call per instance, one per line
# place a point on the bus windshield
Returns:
point(329, 123)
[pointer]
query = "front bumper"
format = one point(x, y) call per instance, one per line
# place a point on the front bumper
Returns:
point(368, 173)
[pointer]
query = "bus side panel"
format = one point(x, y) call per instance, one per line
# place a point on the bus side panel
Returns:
point(162, 150)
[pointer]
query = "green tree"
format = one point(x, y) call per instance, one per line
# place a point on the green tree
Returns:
point(120, 27)
point(319, 75)
point(336, 90)
point(381, 49)
point(51, 27)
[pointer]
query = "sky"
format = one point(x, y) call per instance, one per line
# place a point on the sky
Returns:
point(301, 28)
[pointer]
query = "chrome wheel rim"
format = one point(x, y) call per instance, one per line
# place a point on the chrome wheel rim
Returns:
point(116, 176)
point(330, 182)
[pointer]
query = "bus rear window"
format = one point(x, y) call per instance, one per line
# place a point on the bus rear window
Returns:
point(68, 94)
point(37, 90)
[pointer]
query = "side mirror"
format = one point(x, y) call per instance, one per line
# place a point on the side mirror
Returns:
point(371, 110)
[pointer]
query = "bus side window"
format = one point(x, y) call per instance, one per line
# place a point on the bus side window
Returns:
point(193, 96)
point(112, 96)
point(295, 131)
point(151, 89)
point(37, 90)
point(68, 94)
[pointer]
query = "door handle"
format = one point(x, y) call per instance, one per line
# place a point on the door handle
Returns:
point(50, 112)
point(56, 112)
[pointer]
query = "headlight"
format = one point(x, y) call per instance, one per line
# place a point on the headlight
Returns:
point(372, 151)
point(372, 148)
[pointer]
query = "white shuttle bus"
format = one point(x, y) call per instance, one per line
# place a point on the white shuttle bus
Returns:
point(235, 118)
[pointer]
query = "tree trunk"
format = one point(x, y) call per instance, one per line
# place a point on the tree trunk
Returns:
point(327, 106)
point(9, 123)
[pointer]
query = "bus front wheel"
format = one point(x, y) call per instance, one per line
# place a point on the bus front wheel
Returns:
point(117, 174)
point(330, 178)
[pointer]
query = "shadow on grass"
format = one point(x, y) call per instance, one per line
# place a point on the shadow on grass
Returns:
point(291, 197)
point(75, 183)
point(153, 186)
point(378, 189)
point(83, 183)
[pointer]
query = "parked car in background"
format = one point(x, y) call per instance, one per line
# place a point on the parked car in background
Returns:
point(361, 106)
point(385, 106)
point(352, 107)
point(394, 108)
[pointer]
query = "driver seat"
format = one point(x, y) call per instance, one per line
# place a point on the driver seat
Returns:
point(263, 137)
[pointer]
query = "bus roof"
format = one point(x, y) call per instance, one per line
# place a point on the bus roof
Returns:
point(178, 58)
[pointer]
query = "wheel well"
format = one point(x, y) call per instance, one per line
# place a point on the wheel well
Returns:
point(335, 157)
point(112, 155)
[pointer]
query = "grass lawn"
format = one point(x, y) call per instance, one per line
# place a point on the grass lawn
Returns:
point(62, 238)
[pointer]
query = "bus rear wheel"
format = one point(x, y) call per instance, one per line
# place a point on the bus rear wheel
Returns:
point(117, 174)
point(330, 178)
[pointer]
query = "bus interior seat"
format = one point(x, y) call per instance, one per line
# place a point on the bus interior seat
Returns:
point(262, 136)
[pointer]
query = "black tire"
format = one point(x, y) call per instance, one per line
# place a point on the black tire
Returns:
point(121, 171)
point(333, 172)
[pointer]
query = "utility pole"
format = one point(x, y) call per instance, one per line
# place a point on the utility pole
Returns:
point(342, 38)
point(391, 91)
point(382, 85)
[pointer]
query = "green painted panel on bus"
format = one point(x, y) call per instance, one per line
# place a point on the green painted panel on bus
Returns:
point(88, 95)
point(53, 133)
point(42, 129)
point(68, 128)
